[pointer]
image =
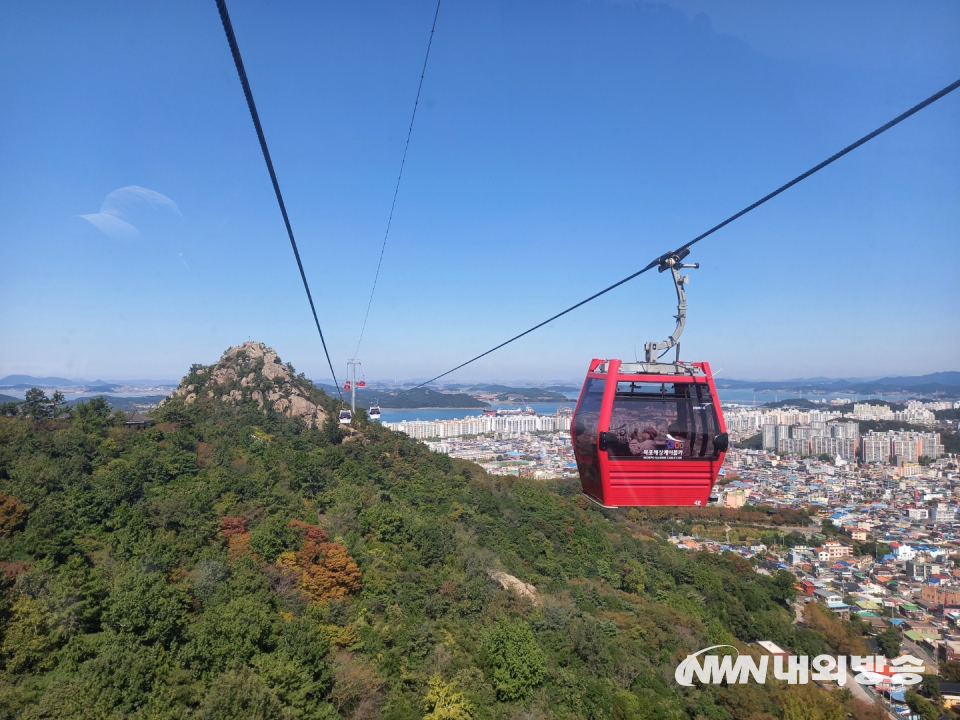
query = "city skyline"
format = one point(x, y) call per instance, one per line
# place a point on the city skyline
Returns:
point(557, 149)
point(58, 381)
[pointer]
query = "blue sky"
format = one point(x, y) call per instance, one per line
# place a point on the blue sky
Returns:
point(559, 146)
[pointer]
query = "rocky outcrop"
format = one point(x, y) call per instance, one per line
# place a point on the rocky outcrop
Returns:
point(252, 372)
point(509, 582)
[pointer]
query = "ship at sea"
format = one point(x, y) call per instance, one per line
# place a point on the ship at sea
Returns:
point(501, 412)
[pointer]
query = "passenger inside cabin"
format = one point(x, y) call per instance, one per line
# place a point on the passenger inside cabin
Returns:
point(651, 439)
point(641, 442)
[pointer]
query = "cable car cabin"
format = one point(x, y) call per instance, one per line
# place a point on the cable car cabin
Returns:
point(648, 433)
point(345, 417)
point(374, 412)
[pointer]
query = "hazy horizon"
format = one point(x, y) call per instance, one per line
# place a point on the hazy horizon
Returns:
point(396, 382)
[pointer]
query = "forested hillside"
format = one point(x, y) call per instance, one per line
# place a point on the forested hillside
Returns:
point(236, 562)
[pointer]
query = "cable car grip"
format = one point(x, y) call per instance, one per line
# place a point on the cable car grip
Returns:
point(673, 261)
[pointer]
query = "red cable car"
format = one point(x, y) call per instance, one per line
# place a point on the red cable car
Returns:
point(650, 433)
point(361, 383)
point(346, 385)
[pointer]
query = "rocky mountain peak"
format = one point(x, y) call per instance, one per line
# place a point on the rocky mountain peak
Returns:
point(253, 372)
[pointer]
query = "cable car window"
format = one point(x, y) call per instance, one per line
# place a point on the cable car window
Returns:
point(663, 421)
point(586, 424)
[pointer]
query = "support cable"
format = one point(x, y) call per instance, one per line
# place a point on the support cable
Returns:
point(658, 261)
point(238, 61)
point(396, 189)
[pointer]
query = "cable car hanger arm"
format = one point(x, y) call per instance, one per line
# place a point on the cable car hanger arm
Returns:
point(672, 261)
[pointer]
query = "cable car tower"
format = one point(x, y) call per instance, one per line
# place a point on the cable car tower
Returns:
point(650, 433)
point(352, 383)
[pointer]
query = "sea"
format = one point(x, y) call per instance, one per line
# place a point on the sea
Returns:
point(730, 396)
point(68, 396)
point(389, 415)
point(727, 397)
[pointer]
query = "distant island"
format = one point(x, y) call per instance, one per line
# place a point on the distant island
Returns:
point(944, 384)
point(417, 399)
point(427, 398)
point(503, 393)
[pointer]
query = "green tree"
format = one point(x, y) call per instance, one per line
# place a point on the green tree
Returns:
point(272, 536)
point(786, 591)
point(754, 442)
point(240, 693)
point(445, 701)
point(930, 686)
point(828, 528)
point(36, 405)
point(889, 641)
point(232, 632)
point(147, 606)
point(807, 702)
point(627, 706)
point(794, 538)
point(330, 430)
point(92, 416)
point(27, 642)
point(518, 664)
point(55, 402)
point(950, 671)
point(921, 706)
point(634, 576)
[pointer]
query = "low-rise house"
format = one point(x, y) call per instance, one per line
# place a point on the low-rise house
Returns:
point(949, 694)
point(822, 595)
point(948, 651)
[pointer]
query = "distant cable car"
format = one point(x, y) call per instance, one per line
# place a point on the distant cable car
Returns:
point(375, 410)
point(361, 383)
point(346, 386)
point(345, 417)
point(650, 433)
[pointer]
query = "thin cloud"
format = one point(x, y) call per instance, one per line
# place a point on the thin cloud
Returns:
point(128, 204)
point(113, 226)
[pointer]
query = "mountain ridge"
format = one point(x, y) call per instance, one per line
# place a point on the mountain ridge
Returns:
point(252, 373)
point(232, 560)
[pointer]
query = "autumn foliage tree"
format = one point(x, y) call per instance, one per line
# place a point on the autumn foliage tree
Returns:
point(234, 529)
point(839, 635)
point(13, 513)
point(325, 569)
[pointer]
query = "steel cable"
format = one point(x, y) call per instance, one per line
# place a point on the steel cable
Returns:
point(654, 263)
point(238, 61)
point(396, 189)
